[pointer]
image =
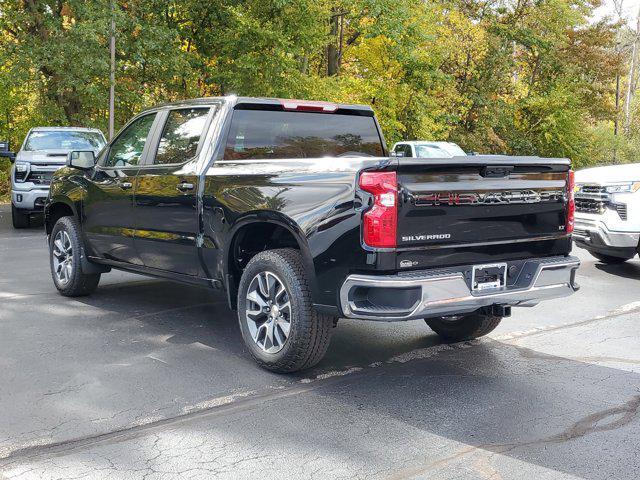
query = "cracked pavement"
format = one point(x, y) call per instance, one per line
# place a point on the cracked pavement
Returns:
point(148, 379)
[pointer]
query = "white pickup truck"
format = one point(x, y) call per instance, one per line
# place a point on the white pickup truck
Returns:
point(607, 220)
point(427, 149)
point(44, 151)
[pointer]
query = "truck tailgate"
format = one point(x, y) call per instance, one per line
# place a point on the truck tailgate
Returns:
point(479, 203)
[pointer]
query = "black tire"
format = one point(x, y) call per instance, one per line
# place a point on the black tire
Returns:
point(466, 327)
point(19, 219)
point(609, 259)
point(309, 331)
point(78, 283)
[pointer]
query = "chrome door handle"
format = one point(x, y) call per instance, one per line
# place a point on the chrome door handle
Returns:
point(184, 186)
point(125, 185)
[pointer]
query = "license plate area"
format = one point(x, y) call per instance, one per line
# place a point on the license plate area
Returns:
point(489, 277)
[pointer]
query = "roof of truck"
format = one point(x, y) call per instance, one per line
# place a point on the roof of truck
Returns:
point(261, 101)
point(425, 142)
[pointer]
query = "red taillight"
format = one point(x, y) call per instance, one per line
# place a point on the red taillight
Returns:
point(571, 205)
point(380, 222)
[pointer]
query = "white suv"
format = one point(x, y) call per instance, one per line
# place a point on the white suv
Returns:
point(608, 212)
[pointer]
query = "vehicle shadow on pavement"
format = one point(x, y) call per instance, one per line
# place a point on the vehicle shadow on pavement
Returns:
point(184, 314)
point(630, 270)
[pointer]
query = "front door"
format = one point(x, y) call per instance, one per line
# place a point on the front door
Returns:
point(108, 215)
point(166, 198)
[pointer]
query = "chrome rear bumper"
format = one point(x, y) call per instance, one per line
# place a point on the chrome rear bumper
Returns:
point(433, 293)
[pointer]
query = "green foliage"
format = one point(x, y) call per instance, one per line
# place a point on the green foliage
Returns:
point(4, 179)
point(506, 77)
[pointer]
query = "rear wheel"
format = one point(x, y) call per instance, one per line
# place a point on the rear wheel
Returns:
point(609, 259)
point(65, 253)
point(19, 219)
point(463, 327)
point(279, 325)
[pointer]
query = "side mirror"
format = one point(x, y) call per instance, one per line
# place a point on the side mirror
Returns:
point(398, 154)
point(4, 151)
point(81, 159)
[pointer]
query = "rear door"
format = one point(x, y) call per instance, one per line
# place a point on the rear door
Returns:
point(166, 198)
point(109, 221)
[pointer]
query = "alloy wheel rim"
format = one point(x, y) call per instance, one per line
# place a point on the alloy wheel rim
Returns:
point(268, 313)
point(62, 257)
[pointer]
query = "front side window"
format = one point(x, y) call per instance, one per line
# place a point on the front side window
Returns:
point(126, 150)
point(268, 134)
point(64, 140)
point(181, 135)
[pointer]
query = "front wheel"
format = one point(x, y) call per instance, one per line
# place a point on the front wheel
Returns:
point(65, 253)
point(279, 325)
point(463, 327)
point(609, 259)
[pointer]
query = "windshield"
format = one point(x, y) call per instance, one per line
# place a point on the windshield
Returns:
point(440, 150)
point(64, 140)
point(431, 151)
point(453, 149)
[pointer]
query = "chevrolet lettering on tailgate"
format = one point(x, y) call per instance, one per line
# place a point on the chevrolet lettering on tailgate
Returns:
point(506, 197)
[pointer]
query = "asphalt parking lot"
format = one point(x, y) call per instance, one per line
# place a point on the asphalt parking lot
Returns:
point(149, 379)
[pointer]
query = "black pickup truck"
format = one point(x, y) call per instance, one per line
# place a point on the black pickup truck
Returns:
point(295, 209)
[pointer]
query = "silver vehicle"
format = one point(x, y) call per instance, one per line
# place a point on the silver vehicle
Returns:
point(424, 149)
point(608, 212)
point(43, 151)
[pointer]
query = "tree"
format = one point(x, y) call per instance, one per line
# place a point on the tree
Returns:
point(513, 76)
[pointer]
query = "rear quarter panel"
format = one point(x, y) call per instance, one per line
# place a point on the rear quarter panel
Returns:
point(315, 198)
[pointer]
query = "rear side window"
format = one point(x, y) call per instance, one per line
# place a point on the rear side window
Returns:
point(181, 135)
point(266, 134)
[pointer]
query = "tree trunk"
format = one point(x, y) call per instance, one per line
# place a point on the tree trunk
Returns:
point(71, 106)
point(304, 64)
point(632, 82)
point(333, 51)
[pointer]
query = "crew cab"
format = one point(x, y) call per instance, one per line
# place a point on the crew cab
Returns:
point(297, 212)
point(43, 151)
point(608, 212)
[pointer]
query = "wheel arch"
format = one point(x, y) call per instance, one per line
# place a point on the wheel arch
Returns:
point(262, 231)
point(57, 208)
